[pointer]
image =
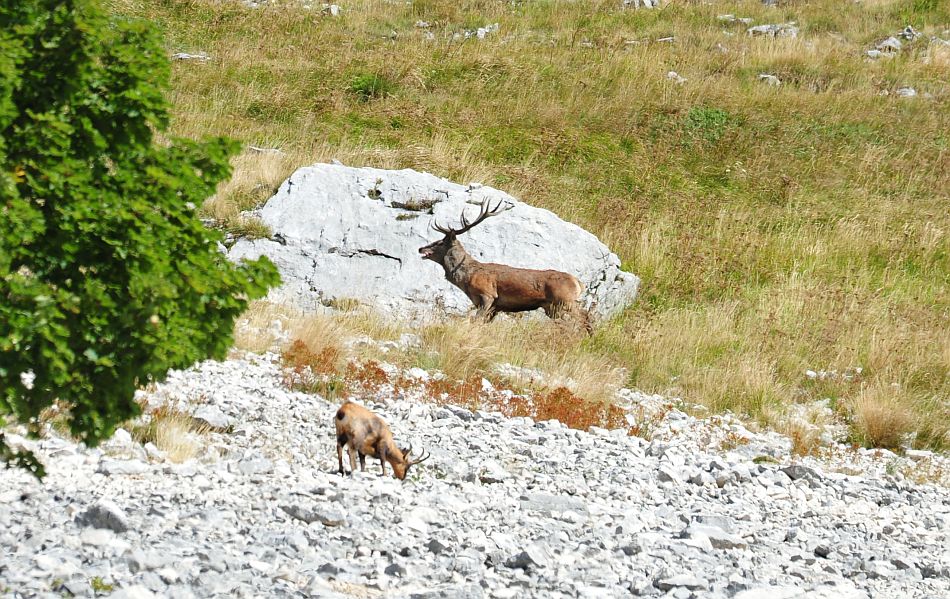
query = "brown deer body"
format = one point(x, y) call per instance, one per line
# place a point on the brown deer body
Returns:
point(497, 288)
point(364, 433)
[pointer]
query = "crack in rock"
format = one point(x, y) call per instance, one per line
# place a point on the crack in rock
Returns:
point(370, 252)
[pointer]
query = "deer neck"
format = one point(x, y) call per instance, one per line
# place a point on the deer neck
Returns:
point(458, 265)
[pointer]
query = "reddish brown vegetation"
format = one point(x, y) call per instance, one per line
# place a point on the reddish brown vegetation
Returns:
point(316, 372)
point(299, 356)
point(561, 404)
point(367, 376)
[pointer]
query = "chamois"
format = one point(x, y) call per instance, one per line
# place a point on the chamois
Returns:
point(366, 434)
point(497, 288)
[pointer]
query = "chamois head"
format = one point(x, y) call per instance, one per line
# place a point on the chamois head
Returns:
point(437, 250)
point(401, 467)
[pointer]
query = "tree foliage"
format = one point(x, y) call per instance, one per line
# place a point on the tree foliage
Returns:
point(107, 276)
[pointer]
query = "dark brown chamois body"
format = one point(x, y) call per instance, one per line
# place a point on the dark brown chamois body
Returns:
point(497, 288)
point(364, 433)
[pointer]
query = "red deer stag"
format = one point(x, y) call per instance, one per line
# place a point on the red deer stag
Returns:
point(497, 288)
point(366, 434)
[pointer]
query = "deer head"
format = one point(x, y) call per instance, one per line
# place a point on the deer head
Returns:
point(401, 468)
point(437, 250)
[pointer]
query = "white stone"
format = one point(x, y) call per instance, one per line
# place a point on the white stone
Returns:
point(122, 467)
point(676, 78)
point(775, 30)
point(121, 437)
point(889, 46)
point(96, 536)
point(772, 592)
point(133, 592)
point(343, 236)
point(719, 538)
point(213, 416)
point(919, 455)
point(418, 374)
point(200, 57)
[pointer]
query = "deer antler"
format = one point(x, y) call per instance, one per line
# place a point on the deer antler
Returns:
point(485, 212)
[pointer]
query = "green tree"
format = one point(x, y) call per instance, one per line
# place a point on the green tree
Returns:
point(107, 276)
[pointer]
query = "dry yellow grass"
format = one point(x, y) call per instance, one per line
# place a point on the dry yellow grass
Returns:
point(880, 417)
point(260, 328)
point(776, 229)
point(266, 326)
point(462, 348)
point(256, 178)
point(179, 437)
point(458, 347)
point(176, 433)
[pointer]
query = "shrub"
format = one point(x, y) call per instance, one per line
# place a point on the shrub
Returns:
point(880, 417)
point(708, 124)
point(369, 86)
point(562, 405)
point(312, 371)
point(107, 277)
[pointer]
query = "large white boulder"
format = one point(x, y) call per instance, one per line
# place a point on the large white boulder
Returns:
point(343, 233)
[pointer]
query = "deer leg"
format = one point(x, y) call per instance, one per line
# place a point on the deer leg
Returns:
point(586, 320)
point(486, 308)
point(579, 314)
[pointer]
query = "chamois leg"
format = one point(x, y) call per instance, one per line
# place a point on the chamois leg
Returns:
point(339, 452)
point(352, 451)
point(362, 460)
point(381, 452)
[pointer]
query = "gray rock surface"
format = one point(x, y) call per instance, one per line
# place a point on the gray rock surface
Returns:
point(775, 30)
point(578, 514)
point(731, 18)
point(343, 233)
point(200, 57)
point(892, 45)
point(104, 514)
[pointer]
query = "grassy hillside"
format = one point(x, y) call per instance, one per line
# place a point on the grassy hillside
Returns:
point(777, 229)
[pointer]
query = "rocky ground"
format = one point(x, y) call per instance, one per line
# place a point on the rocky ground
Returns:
point(504, 508)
